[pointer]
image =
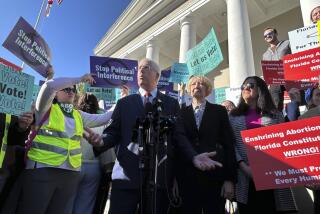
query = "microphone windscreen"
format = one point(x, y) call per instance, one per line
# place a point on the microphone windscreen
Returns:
point(148, 107)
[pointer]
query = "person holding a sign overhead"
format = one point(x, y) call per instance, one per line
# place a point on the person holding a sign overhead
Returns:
point(256, 109)
point(126, 176)
point(54, 158)
point(208, 129)
point(276, 50)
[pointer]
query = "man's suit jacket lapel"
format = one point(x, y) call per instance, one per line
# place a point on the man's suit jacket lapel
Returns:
point(137, 101)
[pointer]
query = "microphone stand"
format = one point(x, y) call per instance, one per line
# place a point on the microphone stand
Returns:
point(149, 141)
point(155, 160)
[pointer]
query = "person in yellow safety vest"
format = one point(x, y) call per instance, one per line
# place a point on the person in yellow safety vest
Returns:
point(54, 159)
point(13, 133)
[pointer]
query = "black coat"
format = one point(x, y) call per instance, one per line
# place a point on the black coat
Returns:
point(214, 134)
point(119, 135)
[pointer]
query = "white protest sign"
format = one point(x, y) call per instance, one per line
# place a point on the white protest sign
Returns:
point(304, 38)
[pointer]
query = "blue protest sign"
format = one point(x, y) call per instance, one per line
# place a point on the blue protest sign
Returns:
point(113, 73)
point(15, 91)
point(205, 56)
point(179, 73)
point(26, 43)
point(164, 84)
point(173, 94)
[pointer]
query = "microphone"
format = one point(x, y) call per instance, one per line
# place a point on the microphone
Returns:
point(157, 105)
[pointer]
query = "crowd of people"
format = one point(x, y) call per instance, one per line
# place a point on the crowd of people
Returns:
point(73, 151)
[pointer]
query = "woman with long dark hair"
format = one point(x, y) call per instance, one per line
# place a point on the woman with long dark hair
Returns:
point(255, 109)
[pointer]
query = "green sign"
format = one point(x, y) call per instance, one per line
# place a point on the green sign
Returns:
point(35, 92)
point(179, 73)
point(219, 95)
point(205, 56)
point(15, 91)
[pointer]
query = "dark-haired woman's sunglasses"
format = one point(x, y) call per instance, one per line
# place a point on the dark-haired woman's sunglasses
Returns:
point(69, 90)
point(248, 85)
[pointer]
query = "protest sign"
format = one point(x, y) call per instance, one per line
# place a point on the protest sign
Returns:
point(15, 91)
point(113, 73)
point(173, 94)
point(284, 155)
point(101, 93)
point(205, 56)
point(164, 84)
point(304, 38)
point(273, 72)
point(299, 85)
point(219, 95)
point(35, 93)
point(179, 73)
point(108, 95)
point(9, 65)
point(26, 43)
point(303, 66)
point(233, 94)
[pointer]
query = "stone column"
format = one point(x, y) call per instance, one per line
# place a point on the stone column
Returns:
point(306, 7)
point(152, 50)
point(187, 37)
point(241, 64)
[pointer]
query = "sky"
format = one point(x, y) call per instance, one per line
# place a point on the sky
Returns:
point(72, 30)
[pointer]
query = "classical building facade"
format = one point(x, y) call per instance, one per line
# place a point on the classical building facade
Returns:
point(164, 30)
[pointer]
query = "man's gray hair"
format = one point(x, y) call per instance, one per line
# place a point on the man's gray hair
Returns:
point(153, 65)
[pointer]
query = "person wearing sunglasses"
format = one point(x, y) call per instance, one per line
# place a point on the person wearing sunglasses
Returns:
point(255, 109)
point(276, 50)
point(315, 15)
point(54, 159)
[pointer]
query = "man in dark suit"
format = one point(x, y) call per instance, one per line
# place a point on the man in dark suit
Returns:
point(126, 175)
point(208, 129)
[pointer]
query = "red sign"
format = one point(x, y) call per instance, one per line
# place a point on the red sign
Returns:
point(273, 72)
point(299, 85)
point(303, 66)
point(9, 64)
point(284, 155)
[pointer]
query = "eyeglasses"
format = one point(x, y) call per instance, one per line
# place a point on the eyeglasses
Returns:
point(268, 35)
point(69, 90)
point(144, 67)
point(250, 85)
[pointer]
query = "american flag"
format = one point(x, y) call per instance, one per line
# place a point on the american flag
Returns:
point(49, 5)
point(48, 8)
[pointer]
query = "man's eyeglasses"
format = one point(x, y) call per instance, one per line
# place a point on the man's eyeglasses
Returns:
point(69, 90)
point(250, 85)
point(268, 35)
point(144, 67)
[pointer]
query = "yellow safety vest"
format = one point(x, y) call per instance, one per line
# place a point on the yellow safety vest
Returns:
point(5, 139)
point(52, 145)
